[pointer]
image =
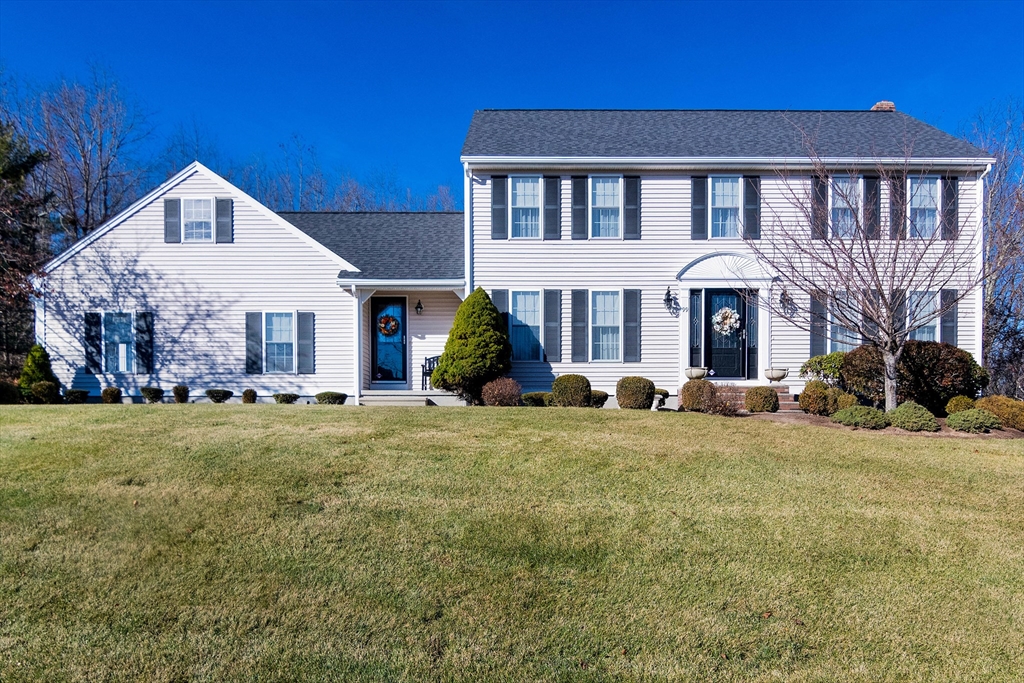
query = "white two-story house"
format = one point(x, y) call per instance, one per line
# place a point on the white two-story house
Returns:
point(608, 237)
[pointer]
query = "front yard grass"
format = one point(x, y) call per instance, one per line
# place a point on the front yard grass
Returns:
point(265, 542)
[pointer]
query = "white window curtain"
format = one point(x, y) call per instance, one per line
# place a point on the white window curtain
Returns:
point(605, 330)
point(118, 342)
point(924, 207)
point(922, 307)
point(845, 206)
point(197, 215)
point(280, 343)
point(525, 325)
point(604, 211)
point(525, 207)
point(725, 207)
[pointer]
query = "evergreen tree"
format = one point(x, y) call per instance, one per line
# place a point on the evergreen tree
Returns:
point(477, 350)
point(37, 369)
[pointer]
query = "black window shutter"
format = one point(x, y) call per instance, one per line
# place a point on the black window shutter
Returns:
point(579, 207)
point(696, 327)
point(631, 325)
point(819, 207)
point(819, 322)
point(898, 207)
point(143, 342)
point(499, 297)
point(552, 208)
point(899, 304)
point(950, 209)
point(872, 208)
point(304, 334)
point(579, 326)
point(499, 207)
point(948, 329)
point(631, 207)
point(553, 325)
point(699, 208)
point(172, 220)
point(93, 343)
point(225, 221)
point(254, 343)
point(752, 207)
point(871, 298)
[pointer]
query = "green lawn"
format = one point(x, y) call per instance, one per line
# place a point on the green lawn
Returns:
point(206, 542)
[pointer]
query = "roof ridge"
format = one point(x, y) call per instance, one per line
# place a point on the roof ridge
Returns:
point(783, 111)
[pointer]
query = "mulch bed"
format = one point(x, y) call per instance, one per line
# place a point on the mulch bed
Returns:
point(820, 421)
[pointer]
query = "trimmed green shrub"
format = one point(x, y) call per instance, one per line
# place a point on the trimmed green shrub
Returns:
point(537, 399)
point(571, 391)
point(249, 396)
point(219, 395)
point(37, 368)
point(598, 398)
point(331, 398)
point(286, 398)
point(634, 393)
point(814, 398)
point(111, 395)
point(46, 392)
point(477, 351)
point(9, 393)
point(76, 396)
point(913, 417)
point(1009, 411)
point(152, 394)
point(503, 391)
point(958, 404)
point(761, 400)
point(840, 400)
point(662, 396)
point(698, 395)
point(864, 417)
point(973, 421)
point(826, 368)
point(180, 392)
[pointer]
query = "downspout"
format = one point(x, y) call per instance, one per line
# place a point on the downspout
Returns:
point(357, 375)
point(980, 338)
point(467, 211)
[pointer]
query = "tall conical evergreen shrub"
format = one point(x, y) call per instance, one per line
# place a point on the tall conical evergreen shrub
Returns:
point(477, 350)
point(36, 369)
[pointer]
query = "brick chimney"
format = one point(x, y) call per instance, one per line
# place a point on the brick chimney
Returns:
point(884, 105)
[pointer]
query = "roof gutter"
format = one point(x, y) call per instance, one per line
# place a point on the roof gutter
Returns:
point(368, 283)
point(484, 162)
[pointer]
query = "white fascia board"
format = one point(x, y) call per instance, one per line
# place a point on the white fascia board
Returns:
point(703, 163)
point(367, 283)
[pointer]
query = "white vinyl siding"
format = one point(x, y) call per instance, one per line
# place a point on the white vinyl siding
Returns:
point(606, 326)
point(846, 203)
point(525, 206)
point(924, 207)
point(725, 207)
point(922, 306)
point(119, 342)
point(197, 220)
point(525, 318)
point(605, 206)
point(279, 342)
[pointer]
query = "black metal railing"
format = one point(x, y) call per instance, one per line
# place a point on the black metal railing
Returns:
point(428, 366)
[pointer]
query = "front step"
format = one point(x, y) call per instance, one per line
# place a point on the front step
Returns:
point(385, 397)
point(736, 396)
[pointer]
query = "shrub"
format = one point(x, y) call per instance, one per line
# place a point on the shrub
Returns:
point(973, 420)
point(839, 400)
point(330, 398)
point(46, 392)
point(9, 393)
point(722, 407)
point(537, 399)
point(37, 368)
point(477, 351)
point(698, 395)
point(662, 395)
point(861, 416)
point(598, 398)
point(959, 404)
point(571, 391)
point(111, 395)
point(249, 396)
point(152, 394)
point(814, 398)
point(826, 368)
point(219, 395)
point(286, 398)
point(1009, 411)
point(76, 395)
point(762, 400)
point(634, 393)
point(180, 392)
point(913, 417)
point(503, 391)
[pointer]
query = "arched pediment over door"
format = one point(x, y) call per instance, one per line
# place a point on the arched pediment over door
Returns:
point(726, 269)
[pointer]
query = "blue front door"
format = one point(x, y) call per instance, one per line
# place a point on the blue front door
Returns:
point(388, 363)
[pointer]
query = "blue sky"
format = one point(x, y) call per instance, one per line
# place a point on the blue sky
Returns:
point(392, 86)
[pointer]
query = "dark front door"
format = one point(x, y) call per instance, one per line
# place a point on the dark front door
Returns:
point(725, 347)
point(388, 363)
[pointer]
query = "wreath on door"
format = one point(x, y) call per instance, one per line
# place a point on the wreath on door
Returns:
point(387, 325)
point(725, 321)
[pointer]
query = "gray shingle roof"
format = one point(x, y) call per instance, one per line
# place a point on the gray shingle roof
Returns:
point(390, 245)
point(707, 133)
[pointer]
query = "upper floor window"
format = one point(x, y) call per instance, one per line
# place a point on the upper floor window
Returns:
point(924, 207)
point(525, 325)
point(525, 206)
point(605, 206)
point(725, 207)
point(606, 326)
point(197, 217)
point(923, 307)
point(118, 342)
point(280, 342)
point(845, 206)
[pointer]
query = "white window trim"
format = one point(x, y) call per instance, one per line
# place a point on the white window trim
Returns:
point(103, 342)
point(540, 335)
point(213, 220)
point(711, 209)
point(511, 209)
point(295, 342)
point(590, 208)
point(590, 325)
point(938, 206)
point(859, 210)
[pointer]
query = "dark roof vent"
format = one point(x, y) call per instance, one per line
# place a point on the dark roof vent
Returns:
point(884, 105)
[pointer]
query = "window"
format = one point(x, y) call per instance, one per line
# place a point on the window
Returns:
point(118, 342)
point(525, 207)
point(845, 206)
point(606, 326)
point(525, 321)
point(280, 342)
point(842, 338)
point(924, 207)
point(922, 308)
point(605, 206)
point(197, 216)
point(725, 207)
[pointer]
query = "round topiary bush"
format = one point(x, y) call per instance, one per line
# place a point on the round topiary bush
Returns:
point(286, 398)
point(46, 392)
point(861, 416)
point(477, 351)
point(761, 400)
point(839, 400)
point(180, 393)
point(76, 396)
point(9, 393)
point(571, 391)
point(973, 421)
point(634, 393)
point(598, 398)
point(219, 395)
point(913, 417)
point(249, 396)
point(331, 398)
point(537, 399)
point(503, 391)
point(1009, 411)
point(152, 394)
point(958, 404)
point(111, 395)
point(814, 398)
point(698, 395)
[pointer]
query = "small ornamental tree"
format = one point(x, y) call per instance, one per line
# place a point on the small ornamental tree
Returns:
point(477, 351)
point(37, 369)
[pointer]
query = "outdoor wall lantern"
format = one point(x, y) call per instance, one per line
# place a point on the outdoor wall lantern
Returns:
point(419, 307)
point(671, 302)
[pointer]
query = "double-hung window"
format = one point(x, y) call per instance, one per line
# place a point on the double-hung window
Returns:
point(845, 206)
point(197, 219)
point(923, 308)
point(842, 338)
point(924, 207)
point(119, 342)
point(279, 342)
point(525, 206)
point(525, 323)
point(606, 326)
point(605, 206)
point(725, 207)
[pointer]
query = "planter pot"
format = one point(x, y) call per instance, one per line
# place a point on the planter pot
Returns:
point(776, 374)
point(695, 373)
